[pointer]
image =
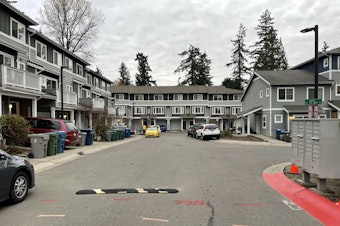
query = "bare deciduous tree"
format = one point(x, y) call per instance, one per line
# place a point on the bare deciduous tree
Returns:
point(72, 23)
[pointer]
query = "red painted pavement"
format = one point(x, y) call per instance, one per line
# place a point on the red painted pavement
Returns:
point(327, 212)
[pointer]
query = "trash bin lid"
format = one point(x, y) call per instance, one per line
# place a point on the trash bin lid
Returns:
point(44, 136)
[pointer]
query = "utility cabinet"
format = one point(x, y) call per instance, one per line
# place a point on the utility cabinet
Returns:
point(316, 146)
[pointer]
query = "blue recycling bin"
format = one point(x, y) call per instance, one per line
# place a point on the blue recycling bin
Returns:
point(61, 141)
point(278, 133)
point(89, 136)
point(127, 132)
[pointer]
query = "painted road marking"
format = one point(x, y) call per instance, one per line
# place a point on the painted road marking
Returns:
point(190, 202)
point(154, 219)
point(291, 205)
point(52, 215)
point(128, 190)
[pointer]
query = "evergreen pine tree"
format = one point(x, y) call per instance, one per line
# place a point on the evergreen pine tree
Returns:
point(143, 77)
point(196, 67)
point(124, 74)
point(269, 53)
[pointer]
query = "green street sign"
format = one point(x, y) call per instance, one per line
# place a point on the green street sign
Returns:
point(313, 101)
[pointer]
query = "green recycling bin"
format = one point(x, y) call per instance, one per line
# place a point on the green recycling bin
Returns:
point(52, 144)
point(113, 135)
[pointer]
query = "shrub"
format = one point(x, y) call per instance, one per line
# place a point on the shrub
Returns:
point(226, 133)
point(14, 129)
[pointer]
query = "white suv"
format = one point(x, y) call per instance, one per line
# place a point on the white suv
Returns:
point(208, 131)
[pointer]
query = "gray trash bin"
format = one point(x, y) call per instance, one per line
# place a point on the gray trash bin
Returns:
point(82, 138)
point(39, 143)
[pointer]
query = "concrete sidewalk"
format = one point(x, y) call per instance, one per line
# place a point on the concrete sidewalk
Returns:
point(268, 141)
point(72, 153)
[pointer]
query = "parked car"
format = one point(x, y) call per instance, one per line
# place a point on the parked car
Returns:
point(152, 132)
point(194, 128)
point(189, 131)
point(207, 131)
point(16, 176)
point(163, 128)
point(158, 127)
point(45, 125)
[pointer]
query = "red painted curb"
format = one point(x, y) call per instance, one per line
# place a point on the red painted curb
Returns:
point(327, 212)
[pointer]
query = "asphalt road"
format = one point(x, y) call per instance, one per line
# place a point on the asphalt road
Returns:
point(218, 184)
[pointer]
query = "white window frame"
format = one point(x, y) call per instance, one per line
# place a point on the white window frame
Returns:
point(267, 92)
point(7, 58)
point(338, 62)
point(51, 83)
point(217, 110)
point(197, 97)
point(121, 110)
point(261, 93)
point(69, 89)
point(79, 69)
point(337, 89)
point(235, 110)
point(139, 97)
point(43, 55)
point(21, 30)
point(325, 62)
point(278, 118)
point(177, 110)
point(217, 97)
point(178, 97)
point(69, 64)
point(158, 110)
point(139, 110)
point(308, 96)
point(158, 97)
point(285, 100)
point(57, 58)
point(197, 110)
point(264, 121)
point(119, 96)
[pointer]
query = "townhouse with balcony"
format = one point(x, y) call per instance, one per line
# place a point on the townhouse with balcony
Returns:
point(177, 107)
point(273, 98)
point(41, 78)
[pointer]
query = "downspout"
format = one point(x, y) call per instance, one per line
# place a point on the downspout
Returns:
point(270, 110)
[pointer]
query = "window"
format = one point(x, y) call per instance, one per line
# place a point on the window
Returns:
point(69, 89)
point(69, 64)
point(8, 60)
point(237, 96)
point(119, 96)
point(178, 97)
point(337, 90)
point(285, 94)
point(79, 69)
point(121, 110)
point(217, 97)
point(158, 110)
point(235, 110)
point(264, 121)
point(325, 62)
point(57, 58)
point(139, 110)
point(177, 110)
point(89, 79)
point(278, 118)
point(267, 92)
point(261, 93)
point(51, 84)
point(18, 30)
point(310, 93)
point(41, 50)
point(158, 97)
point(139, 97)
point(217, 111)
point(85, 93)
point(197, 110)
point(95, 82)
point(198, 96)
point(338, 62)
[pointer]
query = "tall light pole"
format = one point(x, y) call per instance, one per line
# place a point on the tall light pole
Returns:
point(62, 90)
point(316, 63)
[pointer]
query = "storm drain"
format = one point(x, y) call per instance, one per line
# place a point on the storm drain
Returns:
point(128, 190)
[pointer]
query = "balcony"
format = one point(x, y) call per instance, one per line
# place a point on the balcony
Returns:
point(12, 77)
point(92, 103)
point(111, 110)
point(69, 98)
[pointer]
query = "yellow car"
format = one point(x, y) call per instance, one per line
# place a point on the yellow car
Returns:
point(152, 132)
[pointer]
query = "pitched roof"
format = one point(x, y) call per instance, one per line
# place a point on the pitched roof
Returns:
point(174, 89)
point(16, 11)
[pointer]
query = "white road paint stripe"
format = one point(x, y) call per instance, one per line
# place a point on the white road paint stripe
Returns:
point(98, 191)
point(122, 192)
point(291, 205)
point(141, 190)
point(155, 219)
point(52, 215)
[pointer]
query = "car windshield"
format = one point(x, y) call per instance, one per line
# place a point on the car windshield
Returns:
point(211, 127)
point(152, 128)
point(70, 126)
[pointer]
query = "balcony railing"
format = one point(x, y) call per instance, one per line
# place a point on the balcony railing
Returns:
point(111, 110)
point(69, 98)
point(93, 103)
point(17, 78)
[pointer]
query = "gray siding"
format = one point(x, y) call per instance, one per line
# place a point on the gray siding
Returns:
point(252, 97)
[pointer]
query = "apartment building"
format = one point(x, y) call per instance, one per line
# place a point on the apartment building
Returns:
point(177, 107)
point(38, 77)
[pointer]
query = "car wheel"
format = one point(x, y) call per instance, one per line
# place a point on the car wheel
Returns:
point(19, 187)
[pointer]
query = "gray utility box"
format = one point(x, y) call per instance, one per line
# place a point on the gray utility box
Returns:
point(316, 146)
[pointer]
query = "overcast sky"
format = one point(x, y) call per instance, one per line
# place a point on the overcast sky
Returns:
point(163, 28)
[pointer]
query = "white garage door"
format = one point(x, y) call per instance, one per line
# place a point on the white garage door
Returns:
point(175, 125)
